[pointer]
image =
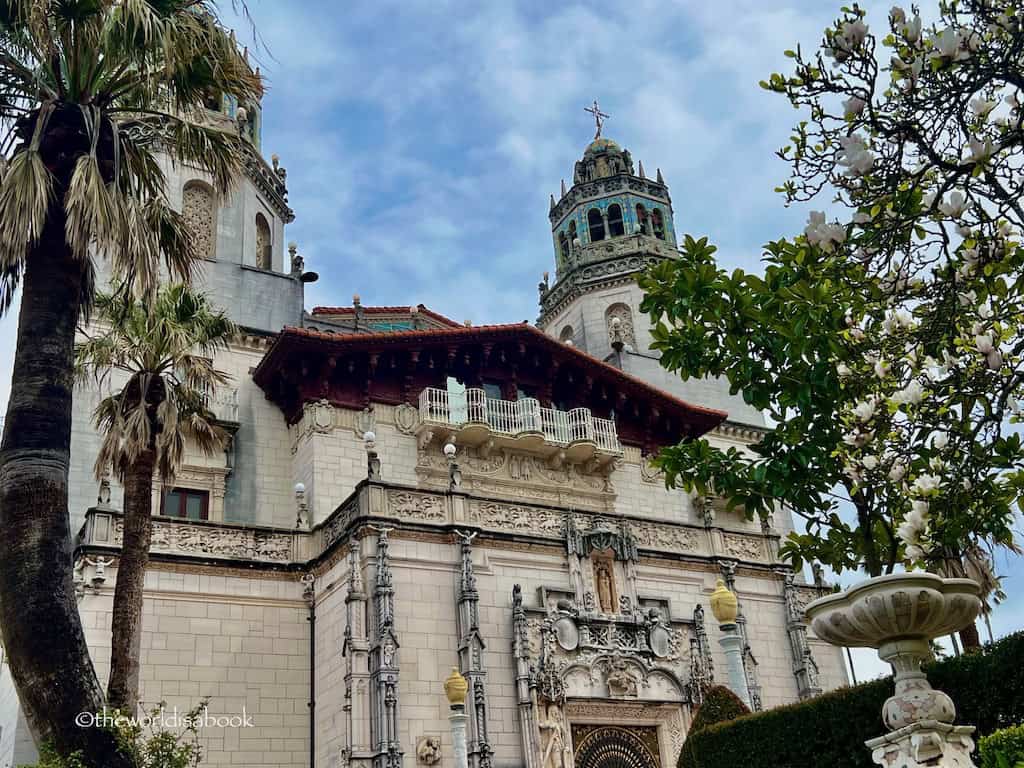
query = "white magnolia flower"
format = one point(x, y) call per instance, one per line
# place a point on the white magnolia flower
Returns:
point(964, 231)
point(1014, 405)
point(994, 359)
point(983, 106)
point(970, 255)
point(966, 484)
point(912, 394)
point(843, 370)
point(881, 369)
point(977, 328)
point(940, 440)
point(853, 33)
point(919, 508)
point(857, 334)
point(822, 234)
point(897, 15)
point(1005, 229)
point(864, 410)
point(855, 155)
point(968, 298)
point(914, 552)
point(912, 29)
point(947, 45)
point(904, 318)
point(897, 471)
point(853, 106)
point(907, 532)
point(927, 199)
point(861, 217)
point(926, 484)
point(984, 343)
point(869, 462)
point(937, 464)
point(980, 151)
point(985, 311)
point(955, 206)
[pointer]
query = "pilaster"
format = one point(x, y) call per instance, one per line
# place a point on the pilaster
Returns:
point(356, 650)
point(385, 740)
point(805, 668)
point(471, 655)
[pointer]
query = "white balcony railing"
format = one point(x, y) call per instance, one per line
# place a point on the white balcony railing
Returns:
point(516, 417)
point(223, 402)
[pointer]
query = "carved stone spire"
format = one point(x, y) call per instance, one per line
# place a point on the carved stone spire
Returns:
point(471, 655)
point(805, 668)
point(640, 166)
point(528, 730)
point(356, 650)
point(702, 666)
point(384, 735)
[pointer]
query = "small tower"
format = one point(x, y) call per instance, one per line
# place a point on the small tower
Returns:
point(611, 224)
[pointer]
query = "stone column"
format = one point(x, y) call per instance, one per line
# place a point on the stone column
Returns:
point(725, 606)
point(455, 688)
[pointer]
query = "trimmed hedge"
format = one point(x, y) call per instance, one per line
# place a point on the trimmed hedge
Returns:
point(1003, 749)
point(830, 730)
point(720, 705)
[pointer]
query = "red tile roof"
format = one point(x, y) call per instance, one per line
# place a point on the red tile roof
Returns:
point(706, 418)
point(388, 311)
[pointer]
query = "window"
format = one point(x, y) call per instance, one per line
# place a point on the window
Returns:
point(615, 226)
point(264, 249)
point(567, 334)
point(572, 234)
point(595, 224)
point(563, 246)
point(659, 224)
point(642, 221)
point(186, 503)
point(200, 215)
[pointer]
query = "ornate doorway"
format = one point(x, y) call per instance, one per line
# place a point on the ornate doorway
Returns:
point(615, 746)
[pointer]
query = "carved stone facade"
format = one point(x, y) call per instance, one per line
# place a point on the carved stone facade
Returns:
point(199, 210)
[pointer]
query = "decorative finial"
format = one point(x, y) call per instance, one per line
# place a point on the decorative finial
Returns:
point(455, 688)
point(599, 117)
point(661, 179)
point(355, 299)
point(640, 165)
point(724, 604)
point(563, 188)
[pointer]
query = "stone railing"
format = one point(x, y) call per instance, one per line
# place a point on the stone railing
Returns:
point(516, 418)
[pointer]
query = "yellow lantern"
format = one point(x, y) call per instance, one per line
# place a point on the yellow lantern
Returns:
point(724, 604)
point(455, 688)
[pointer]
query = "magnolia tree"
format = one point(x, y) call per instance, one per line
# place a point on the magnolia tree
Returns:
point(886, 339)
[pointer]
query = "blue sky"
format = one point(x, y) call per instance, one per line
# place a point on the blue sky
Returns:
point(423, 138)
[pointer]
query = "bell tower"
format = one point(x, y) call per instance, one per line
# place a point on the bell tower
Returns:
point(610, 225)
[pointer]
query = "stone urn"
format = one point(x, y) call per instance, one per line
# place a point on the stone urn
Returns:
point(899, 615)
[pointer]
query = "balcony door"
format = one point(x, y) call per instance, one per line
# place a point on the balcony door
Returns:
point(458, 407)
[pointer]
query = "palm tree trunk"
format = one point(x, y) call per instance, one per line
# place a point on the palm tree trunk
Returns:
point(42, 630)
point(126, 627)
point(969, 638)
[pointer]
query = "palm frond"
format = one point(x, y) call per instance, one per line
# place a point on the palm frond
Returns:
point(25, 193)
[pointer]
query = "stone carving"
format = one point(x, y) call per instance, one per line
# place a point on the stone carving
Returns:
point(566, 634)
point(665, 537)
point(743, 547)
point(417, 506)
point(516, 518)
point(650, 473)
point(241, 543)
point(605, 587)
point(556, 749)
point(622, 682)
point(364, 421)
point(622, 331)
point(407, 418)
point(336, 525)
point(199, 212)
point(428, 750)
point(805, 668)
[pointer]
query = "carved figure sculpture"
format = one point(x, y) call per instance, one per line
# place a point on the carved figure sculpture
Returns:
point(621, 682)
point(556, 751)
point(604, 588)
point(428, 750)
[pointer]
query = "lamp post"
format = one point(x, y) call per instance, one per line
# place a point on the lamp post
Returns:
point(455, 688)
point(725, 607)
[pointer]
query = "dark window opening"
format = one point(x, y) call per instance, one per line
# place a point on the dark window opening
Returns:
point(186, 503)
point(595, 224)
point(572, 234)
point(492, 390)
point(659, 224)
point(563, 245)
point(615, 226)
point(641, 219)
point(213, 102)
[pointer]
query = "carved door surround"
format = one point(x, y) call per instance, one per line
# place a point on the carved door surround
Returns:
point(650, 735)
point(616, 746)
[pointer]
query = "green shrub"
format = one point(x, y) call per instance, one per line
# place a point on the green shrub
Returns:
point(1003, 749)
point(720, 705)
point(987, 688)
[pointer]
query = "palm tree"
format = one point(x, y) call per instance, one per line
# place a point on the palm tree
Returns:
point(161, 351)
point(91, 93)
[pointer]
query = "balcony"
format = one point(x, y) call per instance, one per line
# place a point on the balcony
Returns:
point(475, 419)
point(223, 403)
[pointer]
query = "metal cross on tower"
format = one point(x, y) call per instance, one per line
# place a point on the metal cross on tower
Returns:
point(598, 117)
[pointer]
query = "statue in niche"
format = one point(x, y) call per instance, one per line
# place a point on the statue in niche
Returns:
point(605, 588)
point(556, 752)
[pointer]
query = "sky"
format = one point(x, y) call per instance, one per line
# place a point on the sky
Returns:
point(423, 138)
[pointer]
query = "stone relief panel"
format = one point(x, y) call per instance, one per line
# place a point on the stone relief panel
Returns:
point(666, 537)
point(743, 547)
point(425, 507)
point(517, 518)
point(244, 544)
point(199, 211)
point(618, 320)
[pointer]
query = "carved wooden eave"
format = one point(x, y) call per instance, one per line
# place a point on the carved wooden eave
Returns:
point(733, 430)
point(355, 370)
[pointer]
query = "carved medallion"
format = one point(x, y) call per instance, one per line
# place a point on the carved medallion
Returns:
point(566, 634)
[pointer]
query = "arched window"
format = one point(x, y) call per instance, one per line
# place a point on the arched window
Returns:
point(264, 246)
point(567, 334)
point(618, 319)
point(200, 215)
point(658, 224)
point(573, 237)
point(615, 226)
point(595, 223)
point(642, 219)
point(563, 246)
